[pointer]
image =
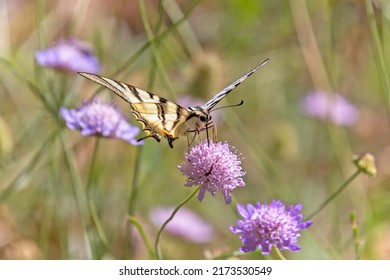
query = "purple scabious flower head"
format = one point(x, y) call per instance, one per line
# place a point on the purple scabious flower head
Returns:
point(334, 108)
point(98, 118)
point(69, 55)
point(186, 224)
point(214, 166)
point(267, 225)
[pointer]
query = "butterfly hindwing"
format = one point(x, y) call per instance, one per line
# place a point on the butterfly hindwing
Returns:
point(158, 116)
point(162, 118)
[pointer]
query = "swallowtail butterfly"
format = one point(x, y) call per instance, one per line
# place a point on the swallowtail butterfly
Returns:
point(161, 117)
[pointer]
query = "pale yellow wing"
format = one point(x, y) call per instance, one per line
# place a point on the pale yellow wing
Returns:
point(158, 116)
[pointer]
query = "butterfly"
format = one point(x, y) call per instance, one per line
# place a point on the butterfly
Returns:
point(161, 117)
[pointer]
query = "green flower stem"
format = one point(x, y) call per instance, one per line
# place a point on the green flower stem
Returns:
point(158, 26)
point(233, 205)
point(379, 53)
point(80, 195)
point(278, 253)
point(10, 188)
point(257, 252)
point(98, 225)
point(190, 39)
point(144, 237)
point(233, 254)
point(12, 67)
point(92, 164)
point(337, 192)
point(134, 184)
point(160, 36)
point(154, 48)
point(156, 247)
point(358, 244)
point(91, 203)
point(133, 195)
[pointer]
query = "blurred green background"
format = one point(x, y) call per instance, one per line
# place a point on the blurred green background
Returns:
point(201, 46)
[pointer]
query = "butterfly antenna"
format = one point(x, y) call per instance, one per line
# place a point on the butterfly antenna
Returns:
point(228, 106)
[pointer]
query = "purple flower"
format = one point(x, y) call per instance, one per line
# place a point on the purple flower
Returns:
point(185, 224)
point(103, 119)
point(267, 225)
point(334, 108)
point(70, 55)
point(214, 166)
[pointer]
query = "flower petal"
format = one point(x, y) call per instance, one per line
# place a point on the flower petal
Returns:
point(102, 119)
point(267, 225)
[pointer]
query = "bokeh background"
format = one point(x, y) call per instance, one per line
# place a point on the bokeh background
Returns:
point(53, 207)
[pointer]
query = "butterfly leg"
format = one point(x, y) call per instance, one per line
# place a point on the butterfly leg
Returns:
point(190, 142)
point(155, 136)
point(169, 136)
point(214, 132)
point(213, 128)
point(170, 140)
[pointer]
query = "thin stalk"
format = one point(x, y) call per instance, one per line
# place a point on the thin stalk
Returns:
point(13, 68)
point(144, 237)
point(134, 184)
point(12, 186)
point(279, 254)
point(156, 247)
point(92, 165)
point(79, 194)
point(379, 54)
point(188, 35)
point(336, 193)
point(131, 206)
point(234, 254)
point(160, 36)
point(98, 225)
point(159, 24)
point(155, 51)
point(91, 203)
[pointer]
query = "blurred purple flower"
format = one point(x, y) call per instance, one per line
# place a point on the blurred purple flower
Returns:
point(103, 119)
point(185, 224)
point(70, 55)
point(214, 166)
point(334, 108)
point(267, 225)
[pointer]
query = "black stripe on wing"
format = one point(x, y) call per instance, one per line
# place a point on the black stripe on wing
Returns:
point(127, 92)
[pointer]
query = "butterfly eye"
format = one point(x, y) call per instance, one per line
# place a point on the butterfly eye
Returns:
point(203, 118)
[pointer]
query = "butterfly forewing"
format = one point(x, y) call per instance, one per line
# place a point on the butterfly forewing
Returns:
point(158, 116)
point(220, 95)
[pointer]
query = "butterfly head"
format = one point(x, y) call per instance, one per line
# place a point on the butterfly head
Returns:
point(201, 113)
point(198, 118)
